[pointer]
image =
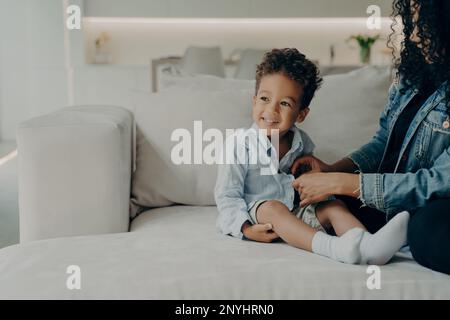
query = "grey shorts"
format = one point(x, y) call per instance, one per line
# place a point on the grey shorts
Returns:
point(306, 214)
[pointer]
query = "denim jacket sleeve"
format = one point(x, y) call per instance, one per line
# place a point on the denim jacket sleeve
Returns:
point(392, 193)
point(229, 196)
point(368, 157)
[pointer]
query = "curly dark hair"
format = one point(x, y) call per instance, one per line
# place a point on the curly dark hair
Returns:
point(425, 60)
point(294, 65)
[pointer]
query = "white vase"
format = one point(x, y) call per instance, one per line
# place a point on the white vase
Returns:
point(102, 57)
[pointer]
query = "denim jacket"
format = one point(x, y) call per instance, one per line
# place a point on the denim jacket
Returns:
point(424, 156)
point(240, 185)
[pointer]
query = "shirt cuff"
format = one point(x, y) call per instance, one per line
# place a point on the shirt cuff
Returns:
point(238, 227)
point(372, 190)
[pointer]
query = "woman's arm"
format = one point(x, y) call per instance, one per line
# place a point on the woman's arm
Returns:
point(393, 192)
point(388, 192)
point(344, 165)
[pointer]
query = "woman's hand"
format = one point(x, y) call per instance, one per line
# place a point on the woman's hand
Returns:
point(259, 232)
point(310, 162)
point(316, 187)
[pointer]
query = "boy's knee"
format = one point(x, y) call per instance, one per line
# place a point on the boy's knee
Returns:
point(273, 205)
point(270, 209)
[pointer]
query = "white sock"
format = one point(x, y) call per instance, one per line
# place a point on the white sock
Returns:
point(380, 247)
point(344, 248)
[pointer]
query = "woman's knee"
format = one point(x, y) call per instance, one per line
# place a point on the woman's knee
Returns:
point(429, 235)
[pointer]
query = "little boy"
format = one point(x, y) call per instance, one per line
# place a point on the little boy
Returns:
point(264, 207)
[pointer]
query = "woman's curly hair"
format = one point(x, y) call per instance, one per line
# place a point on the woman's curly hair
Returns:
point(425, 60)
point(294, 65)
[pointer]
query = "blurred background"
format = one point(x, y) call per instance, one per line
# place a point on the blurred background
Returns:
point(125, 46)
point(45, 66)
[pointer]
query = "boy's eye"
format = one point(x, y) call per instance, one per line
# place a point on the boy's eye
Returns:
point(286, 104)
point(264, 99)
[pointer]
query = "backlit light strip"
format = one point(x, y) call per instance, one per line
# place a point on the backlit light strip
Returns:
point(128, 20)
point(8, 157)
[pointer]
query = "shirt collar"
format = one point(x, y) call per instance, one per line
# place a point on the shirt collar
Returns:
point(297, 142)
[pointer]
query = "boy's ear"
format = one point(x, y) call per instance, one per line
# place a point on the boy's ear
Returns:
point(302, 115)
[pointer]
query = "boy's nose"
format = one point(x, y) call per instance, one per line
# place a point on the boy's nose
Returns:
point(272, 107)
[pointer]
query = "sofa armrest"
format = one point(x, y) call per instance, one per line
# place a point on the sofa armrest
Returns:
point(75, 172)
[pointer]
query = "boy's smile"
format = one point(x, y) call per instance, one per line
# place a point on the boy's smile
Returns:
point(277, 104)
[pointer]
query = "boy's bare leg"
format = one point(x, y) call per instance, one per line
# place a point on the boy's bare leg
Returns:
point(336, 213)
point(291, 229)
point(298, 234)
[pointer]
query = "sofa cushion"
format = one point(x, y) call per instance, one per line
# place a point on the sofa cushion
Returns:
point(202, 82)
point(159, 181)
point(345, 111)
point(177, 253)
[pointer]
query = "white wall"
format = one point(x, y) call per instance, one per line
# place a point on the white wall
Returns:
point(232, 8)
point(14, 61)
point(137, 41)
point(35, 65)
point(1, 71)
point(34, 74)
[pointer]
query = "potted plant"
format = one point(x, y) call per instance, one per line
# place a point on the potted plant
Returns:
point(365, 46)
point(101, 54)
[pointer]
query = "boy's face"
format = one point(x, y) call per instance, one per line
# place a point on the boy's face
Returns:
point(277, 104)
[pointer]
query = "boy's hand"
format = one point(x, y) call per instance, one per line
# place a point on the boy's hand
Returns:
point(312, 163)
point(259, 232)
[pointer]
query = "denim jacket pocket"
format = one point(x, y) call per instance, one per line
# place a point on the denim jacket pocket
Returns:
point(437, 117)
point(432, 137)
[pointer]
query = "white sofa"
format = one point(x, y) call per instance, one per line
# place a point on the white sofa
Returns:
point(84, 171)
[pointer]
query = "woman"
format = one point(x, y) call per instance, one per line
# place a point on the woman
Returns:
point(406, 166)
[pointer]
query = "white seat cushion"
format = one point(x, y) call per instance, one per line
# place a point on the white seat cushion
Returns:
point(176, 253)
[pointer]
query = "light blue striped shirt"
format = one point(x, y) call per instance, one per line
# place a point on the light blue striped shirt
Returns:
point(240, 185)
